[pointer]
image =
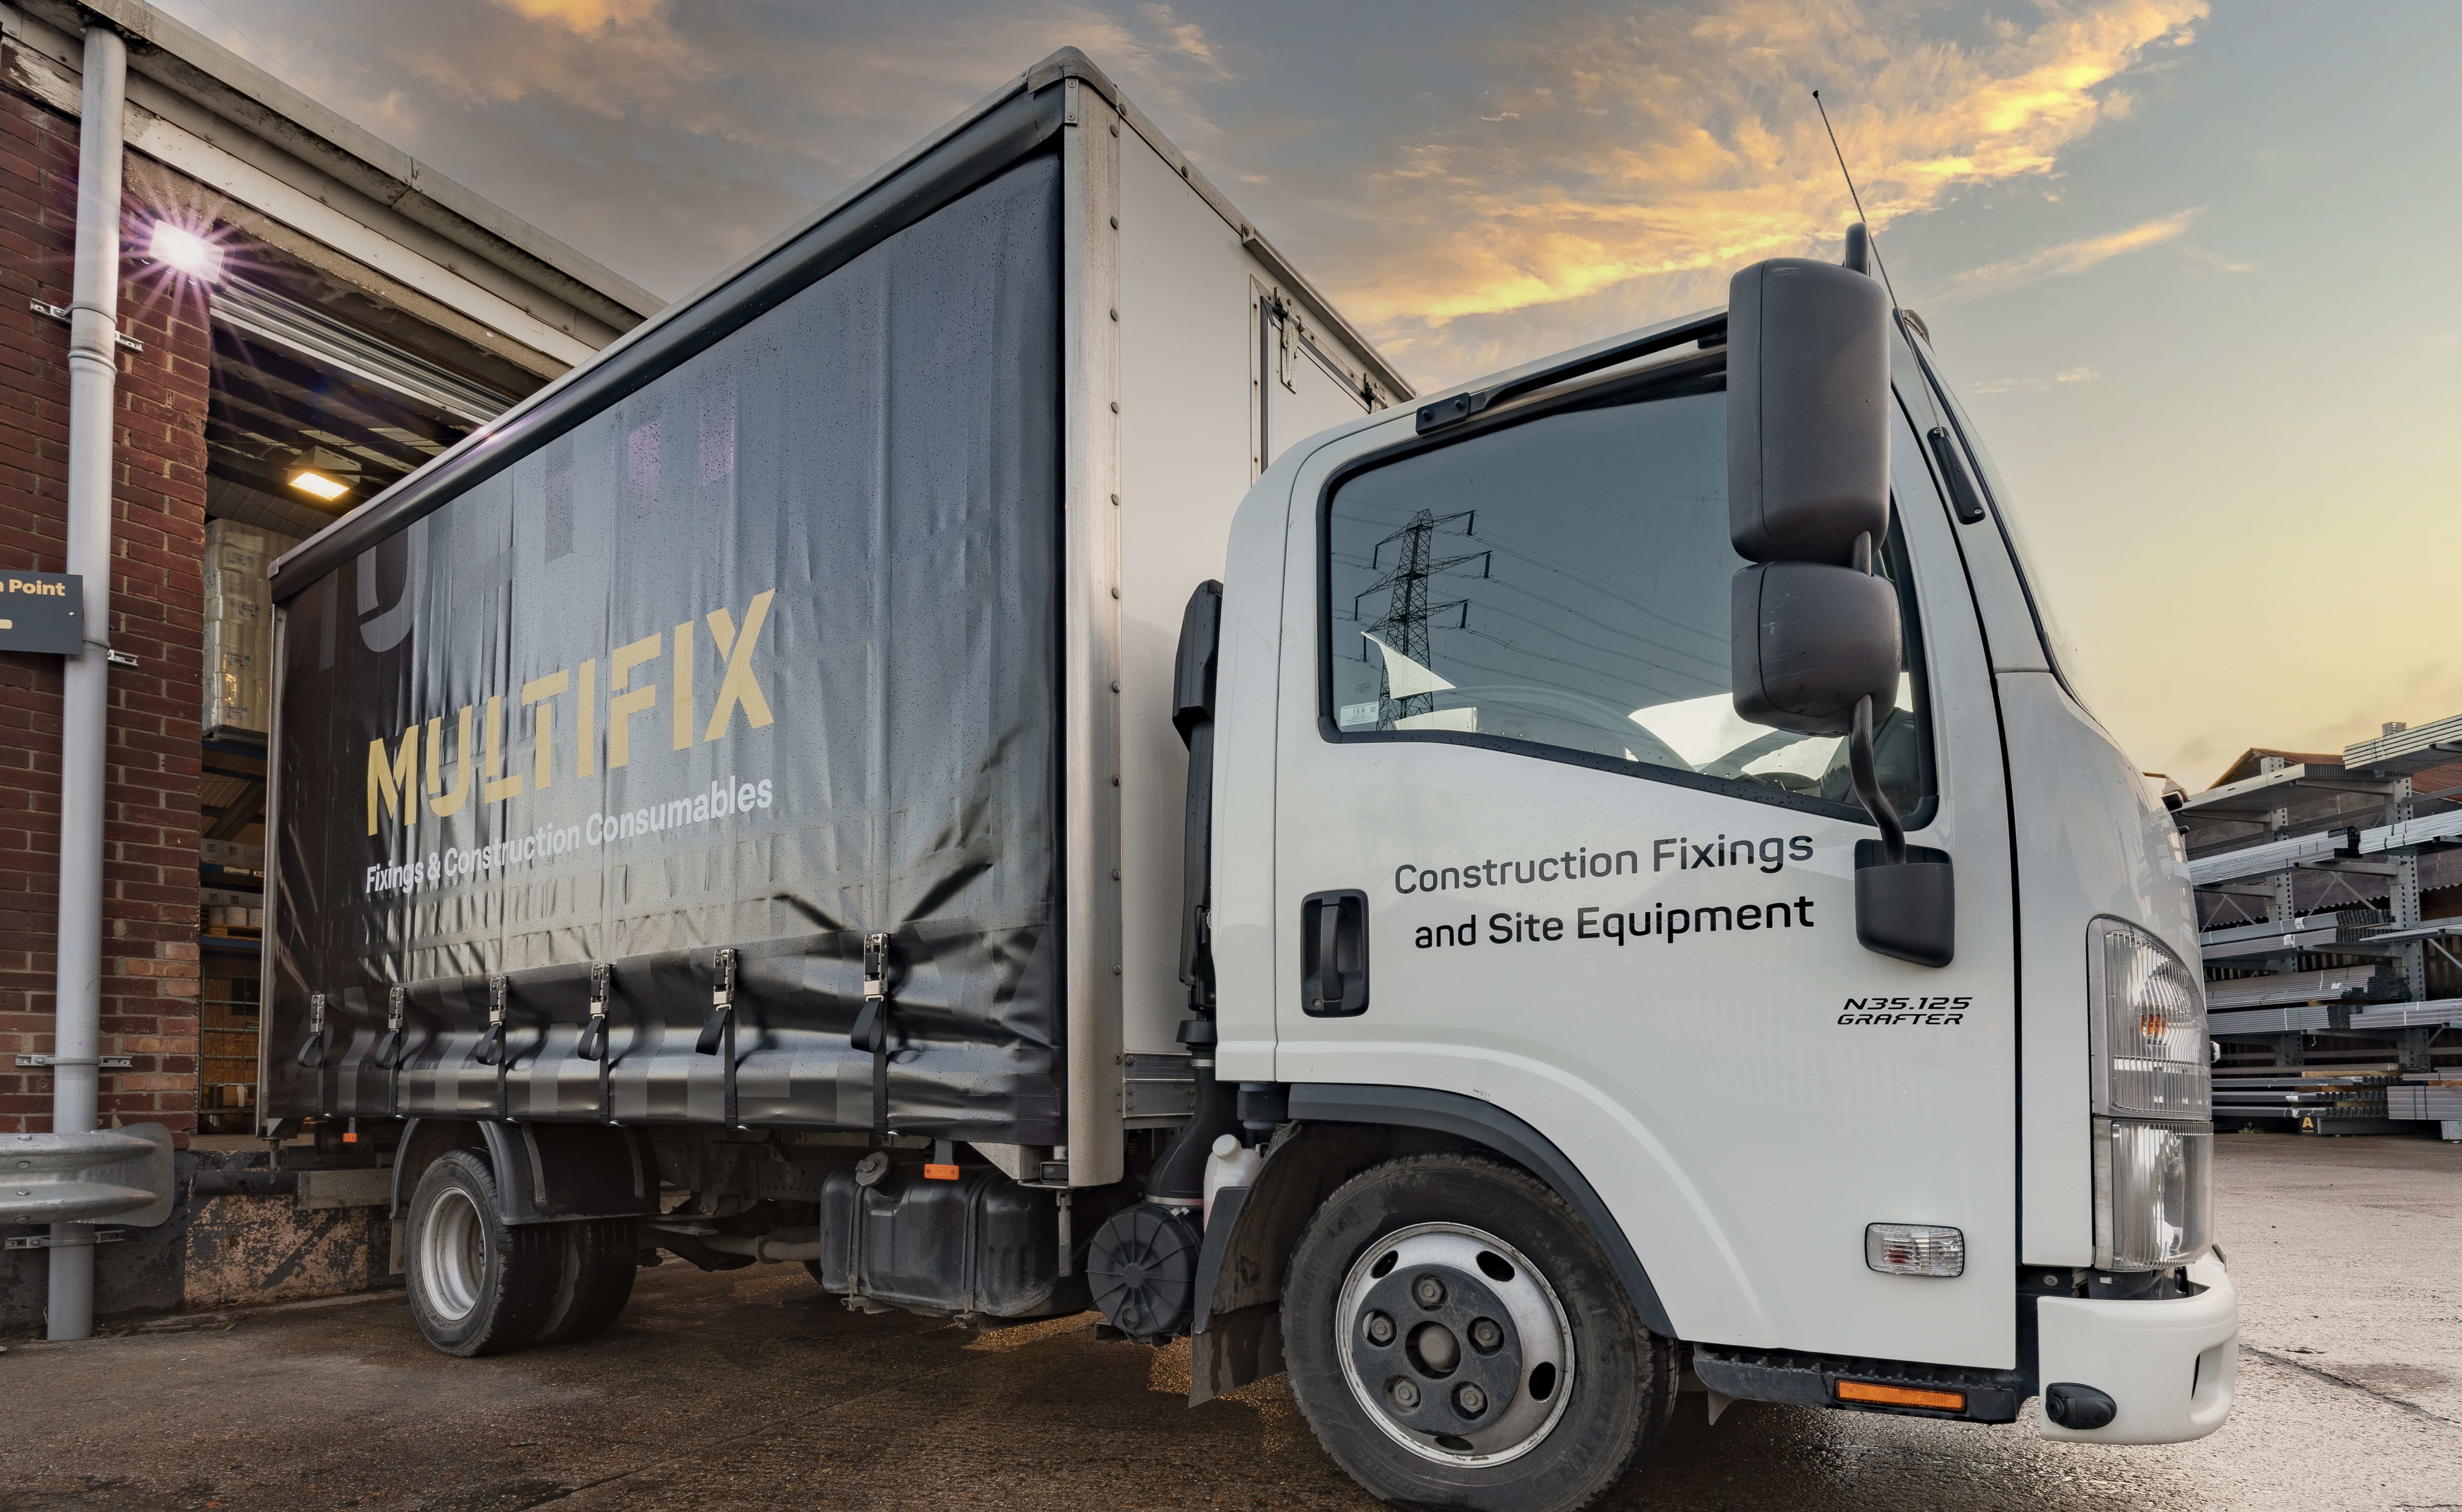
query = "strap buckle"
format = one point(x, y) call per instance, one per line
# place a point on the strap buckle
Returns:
point(492, 1045)
point(722, 1005)
point(594, 1034)
point(871, 1031)
point(312, 1052)
point(389, 1050)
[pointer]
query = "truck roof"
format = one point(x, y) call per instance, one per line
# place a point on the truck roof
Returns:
point(1578, 361)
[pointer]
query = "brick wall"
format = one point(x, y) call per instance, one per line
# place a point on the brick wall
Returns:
point(150, 986)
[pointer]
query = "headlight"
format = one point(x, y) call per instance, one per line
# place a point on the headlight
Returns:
point(2154, 1189)
point(2149, 1027)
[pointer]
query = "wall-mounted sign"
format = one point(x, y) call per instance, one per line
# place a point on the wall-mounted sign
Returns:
point(42, 612)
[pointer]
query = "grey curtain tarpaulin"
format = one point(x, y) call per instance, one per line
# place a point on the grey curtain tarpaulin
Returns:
point(765, 656)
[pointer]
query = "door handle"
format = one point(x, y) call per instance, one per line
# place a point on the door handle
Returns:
point(1329, 957)
point(1333, 953)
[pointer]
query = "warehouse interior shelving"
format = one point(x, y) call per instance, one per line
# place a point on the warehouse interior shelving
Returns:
point(230, 877)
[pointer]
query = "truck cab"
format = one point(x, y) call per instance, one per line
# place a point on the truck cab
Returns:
point(1498, 861)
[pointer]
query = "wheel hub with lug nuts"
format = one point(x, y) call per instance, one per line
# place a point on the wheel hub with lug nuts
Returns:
point(1454, 1344)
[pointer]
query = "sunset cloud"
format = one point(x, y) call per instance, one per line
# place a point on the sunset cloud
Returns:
point(1184, 39)
point(673, 137)
point(839, 96)
point(587, 16)
point(2069, 257)
point(1656, 146)
point(1584, 170)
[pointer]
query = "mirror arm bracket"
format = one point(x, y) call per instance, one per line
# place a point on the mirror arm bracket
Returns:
point(1866, 772)
point(1861, 763)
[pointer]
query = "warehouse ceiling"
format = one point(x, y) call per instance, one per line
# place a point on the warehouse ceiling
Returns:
point(331, 383)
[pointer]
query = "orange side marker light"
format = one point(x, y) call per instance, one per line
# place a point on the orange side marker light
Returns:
point(1901, 1397)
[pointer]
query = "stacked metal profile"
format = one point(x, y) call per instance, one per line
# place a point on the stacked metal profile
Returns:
point(2357, 973)
point(2424, 1097)
point(2331, 1099)
point(2303, 1018)
point(2332, 984)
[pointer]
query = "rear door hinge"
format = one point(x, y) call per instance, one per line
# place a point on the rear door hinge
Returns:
point(1286, 324)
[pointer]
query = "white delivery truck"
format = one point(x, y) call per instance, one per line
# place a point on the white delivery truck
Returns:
point(1520, 902)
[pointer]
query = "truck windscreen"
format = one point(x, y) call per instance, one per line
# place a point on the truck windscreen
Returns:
point(1560, 587)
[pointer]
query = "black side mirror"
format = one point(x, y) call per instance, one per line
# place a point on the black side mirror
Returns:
point(1816, 644)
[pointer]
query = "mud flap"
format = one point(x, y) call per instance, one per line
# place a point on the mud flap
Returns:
point(1235, 1348)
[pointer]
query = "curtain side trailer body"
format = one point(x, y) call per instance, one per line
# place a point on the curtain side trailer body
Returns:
point(838, 602)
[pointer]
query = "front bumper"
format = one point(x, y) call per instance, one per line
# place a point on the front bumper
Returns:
point(2167, 1365)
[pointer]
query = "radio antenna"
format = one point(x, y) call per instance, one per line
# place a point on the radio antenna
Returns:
point(1843, 173)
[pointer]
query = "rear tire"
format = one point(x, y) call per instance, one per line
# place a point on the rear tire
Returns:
point(1457, 1338)
point(478, 1285)
point(594, 1279)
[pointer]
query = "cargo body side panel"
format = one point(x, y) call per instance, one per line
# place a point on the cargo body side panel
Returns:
point(1189, 337)
point(763, 656)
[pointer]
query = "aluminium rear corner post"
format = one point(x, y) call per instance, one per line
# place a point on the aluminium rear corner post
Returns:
point(1090, 402)
point(85, 692)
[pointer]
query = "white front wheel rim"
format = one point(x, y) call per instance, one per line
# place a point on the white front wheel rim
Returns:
point(1474, 1370)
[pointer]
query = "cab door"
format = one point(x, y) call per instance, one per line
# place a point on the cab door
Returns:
point(1526, 852)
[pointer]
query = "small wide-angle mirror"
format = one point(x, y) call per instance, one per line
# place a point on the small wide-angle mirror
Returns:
point(1810, 643)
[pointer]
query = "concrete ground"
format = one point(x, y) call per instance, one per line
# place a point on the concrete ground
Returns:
point(749, 1391)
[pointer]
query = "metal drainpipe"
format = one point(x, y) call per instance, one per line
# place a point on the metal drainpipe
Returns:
point(85, 694)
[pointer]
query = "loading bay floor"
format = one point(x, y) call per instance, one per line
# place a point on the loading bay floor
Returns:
point(751, 1391)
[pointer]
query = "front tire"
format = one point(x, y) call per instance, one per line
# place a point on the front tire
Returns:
point(478, 1285)
point(1455, 1338)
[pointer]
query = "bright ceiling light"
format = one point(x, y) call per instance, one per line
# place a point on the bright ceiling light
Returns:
point(307, 479)
point(186, 251)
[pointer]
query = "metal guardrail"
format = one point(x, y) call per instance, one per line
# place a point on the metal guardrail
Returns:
point(124, 1175)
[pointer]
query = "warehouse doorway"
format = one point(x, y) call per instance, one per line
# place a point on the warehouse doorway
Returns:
point(322, 399)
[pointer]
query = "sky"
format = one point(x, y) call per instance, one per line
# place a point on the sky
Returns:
point(2134, 228)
